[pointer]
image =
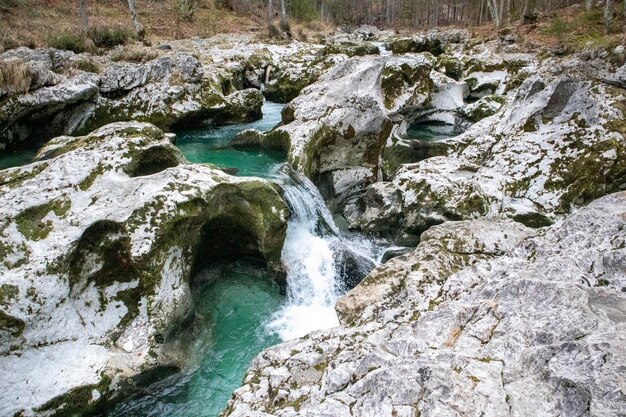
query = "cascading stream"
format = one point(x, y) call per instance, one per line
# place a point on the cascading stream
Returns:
point(241, 310)
point(315, 254)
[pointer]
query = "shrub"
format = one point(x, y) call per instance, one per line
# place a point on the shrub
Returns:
point(7, 43)
point(274, 32)
point(87, 65)
point(109, 37)
point(134, 54)
point(15, 77)
point(186, 9)
point(68, 41)
point(558, 28)
point(8, 5)
point(315, 25)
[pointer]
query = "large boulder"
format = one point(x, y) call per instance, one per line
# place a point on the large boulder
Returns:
point(166, 91)
point(484, 318)
point(46, 111)
point(280, 70)
point(557, 143)
point(288, 78)
point(171, 90)
point(337, 128)
point(98, 242)
point(348, 130)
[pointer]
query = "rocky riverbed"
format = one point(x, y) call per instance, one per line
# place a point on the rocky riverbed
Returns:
point(508, 299)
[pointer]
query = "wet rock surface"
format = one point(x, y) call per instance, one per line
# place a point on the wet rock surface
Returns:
point(98, 241)
point(512, 303)
point(485, 317)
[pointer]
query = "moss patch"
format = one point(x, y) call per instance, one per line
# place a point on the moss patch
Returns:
point(397, 79)
point(416, 45)
point(31, 222)
point(11, 324)
point(77, 401)
point(89, 179)
point(8, 292)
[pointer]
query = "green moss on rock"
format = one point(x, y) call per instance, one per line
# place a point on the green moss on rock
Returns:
point(416, 45)
point(11, 324)
point(31, 222)
point(288, 86)
point(396, 80)
point(89, 179)
point(352, 49)
point(8, 292)
point(451, 66)
point(276, 139)
point(77, 401)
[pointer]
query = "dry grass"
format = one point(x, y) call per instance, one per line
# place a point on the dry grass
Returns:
point(88, 65)
point(569, 29)
point(52, 17)
point(455, 333)
point(134, 53)
point(15, 77)
point(576, 29)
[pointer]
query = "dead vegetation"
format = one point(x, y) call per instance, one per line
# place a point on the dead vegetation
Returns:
point(15, 77)
point(54, 18)
point(134, 53)
point(563, 31)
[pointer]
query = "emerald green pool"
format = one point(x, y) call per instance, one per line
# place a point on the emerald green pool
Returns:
point(235, 309)
point(431, 131)
point(210, 146)
point(16, 158)
point(240, 311)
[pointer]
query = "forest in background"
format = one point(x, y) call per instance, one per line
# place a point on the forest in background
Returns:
point(420, 13)
point(80, 25)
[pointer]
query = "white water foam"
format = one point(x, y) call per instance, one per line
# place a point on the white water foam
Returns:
point(309, 254)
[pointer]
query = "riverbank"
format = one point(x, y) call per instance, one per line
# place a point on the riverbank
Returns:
point(490, 166)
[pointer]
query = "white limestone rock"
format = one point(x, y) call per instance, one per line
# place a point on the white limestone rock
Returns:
point(484, 318)
point(97, 243)
point(174, 88)
point(556, 144)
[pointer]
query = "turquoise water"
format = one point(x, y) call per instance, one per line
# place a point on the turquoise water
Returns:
point(431, 131)
point(210, 146)
point(233, 311)
point(236, 306)
point(241, 312)
point(16, 158)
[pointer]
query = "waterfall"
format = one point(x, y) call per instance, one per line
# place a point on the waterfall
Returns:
point(318, 258)
point(266, 78)
point(382, 49)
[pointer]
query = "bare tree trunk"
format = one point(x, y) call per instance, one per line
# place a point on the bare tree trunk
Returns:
point(588, 4)
point(608, 15)
point(270, 11)
point(525, 8)
point(508, 12)
point(481, 12)
point(133, 19)
point(493, 10)
point(486, 11)
point(283, 12)
point(84, 17)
